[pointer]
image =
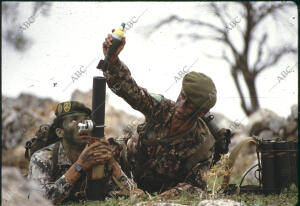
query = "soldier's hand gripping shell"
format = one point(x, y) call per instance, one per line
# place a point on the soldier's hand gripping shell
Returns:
point(93, 154)
point(108, 42)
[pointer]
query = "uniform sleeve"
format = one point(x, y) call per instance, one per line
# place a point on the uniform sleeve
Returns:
point(40, 171)
point(121, 186)
point(181, 188)
point(126, 182)
point(120, 81)
point(195, 176)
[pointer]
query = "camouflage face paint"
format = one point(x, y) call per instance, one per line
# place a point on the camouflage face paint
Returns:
point(71, 135)
point(183, 108)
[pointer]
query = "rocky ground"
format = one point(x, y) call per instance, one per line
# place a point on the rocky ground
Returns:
point(22, 116)
point(18, 191)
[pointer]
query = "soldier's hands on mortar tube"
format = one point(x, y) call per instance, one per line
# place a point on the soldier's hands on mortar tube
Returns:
point(96, 153)
point(107, 43)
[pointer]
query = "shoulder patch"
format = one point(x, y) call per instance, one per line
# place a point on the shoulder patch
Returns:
point(157, 97)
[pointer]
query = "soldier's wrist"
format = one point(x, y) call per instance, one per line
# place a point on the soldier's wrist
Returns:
point(72, 175)
point(80, 164)
point(78, 168)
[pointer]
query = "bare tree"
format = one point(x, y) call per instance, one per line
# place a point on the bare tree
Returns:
point(252, 15)
point(12, 34)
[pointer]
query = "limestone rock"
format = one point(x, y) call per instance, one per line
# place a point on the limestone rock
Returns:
point(266, 135)
point(267, 125)
point(294, 112)
point(84, 97)
point(18, 191)
point(21, 117)
point(17, 125)
point(220, 202)
point(277, 123)
point(259, 121)
point(157, 204)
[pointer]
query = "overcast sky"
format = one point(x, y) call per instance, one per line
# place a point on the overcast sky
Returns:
point(73, 34)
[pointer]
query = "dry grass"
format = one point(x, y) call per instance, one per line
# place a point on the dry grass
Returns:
point(220, 169)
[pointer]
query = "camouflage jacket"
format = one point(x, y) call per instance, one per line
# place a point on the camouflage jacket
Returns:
point(160, 159)
point(54, 186)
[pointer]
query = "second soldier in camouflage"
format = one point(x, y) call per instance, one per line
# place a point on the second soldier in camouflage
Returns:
point(61, 169)
point(173, 147)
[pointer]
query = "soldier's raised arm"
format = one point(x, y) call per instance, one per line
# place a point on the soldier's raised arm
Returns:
point(120, 81)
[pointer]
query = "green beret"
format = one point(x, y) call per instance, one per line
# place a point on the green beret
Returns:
point(200, 90)
point(71, 107)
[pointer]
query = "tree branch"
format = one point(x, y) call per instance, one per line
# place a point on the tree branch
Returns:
point(275, 57)
point(260, 50)
point(233, 49)
point(193, 22)
point(266, 11)
point(197, 37)
point(223, 57)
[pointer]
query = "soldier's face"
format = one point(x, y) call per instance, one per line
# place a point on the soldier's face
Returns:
point(183, 107)
point(71, 134)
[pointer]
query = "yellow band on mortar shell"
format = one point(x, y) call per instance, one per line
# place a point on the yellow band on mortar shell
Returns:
point(119, 32)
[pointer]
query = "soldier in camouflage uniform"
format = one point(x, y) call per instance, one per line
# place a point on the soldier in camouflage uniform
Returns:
point(174, 145)
point(61, 169)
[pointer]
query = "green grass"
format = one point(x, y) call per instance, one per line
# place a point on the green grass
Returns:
point(288, 197)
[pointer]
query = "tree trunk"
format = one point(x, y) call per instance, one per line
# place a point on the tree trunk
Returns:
point(254, 104)
point(250, 82)
point(238, 86)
